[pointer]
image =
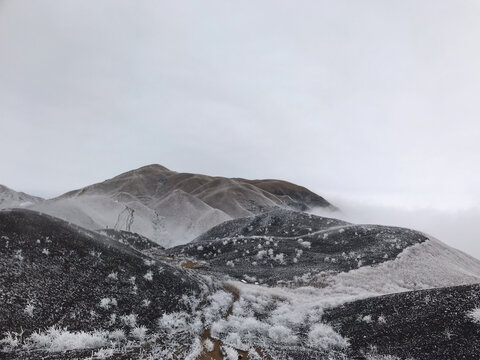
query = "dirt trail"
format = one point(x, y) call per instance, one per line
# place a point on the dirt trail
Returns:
point(216, 353)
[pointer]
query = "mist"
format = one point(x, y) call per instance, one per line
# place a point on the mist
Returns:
point(457, 228)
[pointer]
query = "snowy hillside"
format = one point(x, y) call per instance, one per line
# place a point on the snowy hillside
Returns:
point(11, 199)
point(277, 283)
point(173, 208)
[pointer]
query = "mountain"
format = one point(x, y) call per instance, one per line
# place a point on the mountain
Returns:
point(251, 276)
point(10, 198)
point(173, 208)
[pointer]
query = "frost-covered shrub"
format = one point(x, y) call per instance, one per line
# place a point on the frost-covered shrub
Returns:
point(220, 302)
point(113, 275)
point(230, 353)
point(105, 303)
point(10, 341)
point(129, 320)
point(174, 322)
point(281, 334)
point(261, 254)
point(55, 339)
point(103, 354)
point(208, 345)
point(324, 337)
point(29, 309)
point(148, 276)
point(117, 335)
point(139, 333)
point(474, 315)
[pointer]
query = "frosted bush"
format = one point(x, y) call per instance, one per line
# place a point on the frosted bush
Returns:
point(105, 303)
point(230, 353)
point(220, 302)
point(55, 339)
point(117, 335)
point(29, 309)
point(174, 322)
point(208, 345)
point(261, 254)
point(11, 341)
point(474, 315)
point(148, 276)
point(103, 354)
point(139, 333)
point(324, 337)
point(281, 334)
point(113, 275)
point(129, 320)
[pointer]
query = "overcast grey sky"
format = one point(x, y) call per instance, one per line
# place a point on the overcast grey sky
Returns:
point(375, 101)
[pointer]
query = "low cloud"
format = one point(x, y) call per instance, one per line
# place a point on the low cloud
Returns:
point(457, 228)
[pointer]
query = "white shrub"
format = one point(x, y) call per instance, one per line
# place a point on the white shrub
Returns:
point(55, 339)
point(474, 315)
point(11, 341)
point(105, 303)
point(148, 276)
point(129, 320)
point(208, 345)
point(103, 354)
point(230, 353)
point(324, 337)
point(139, 333)
point(113, 275)
point(117, 335)
point(281, 334)
point(29, 309)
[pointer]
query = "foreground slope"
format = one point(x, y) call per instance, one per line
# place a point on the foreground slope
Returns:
point(173, 208)
point(428, 324)
point(59, 276)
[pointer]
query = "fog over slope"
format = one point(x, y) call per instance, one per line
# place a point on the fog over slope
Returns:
point(456, 227)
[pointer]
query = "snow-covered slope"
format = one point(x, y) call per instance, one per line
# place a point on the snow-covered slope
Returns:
point(287, 247)
point(278, 285)
point(173, 208)
point(11, 199)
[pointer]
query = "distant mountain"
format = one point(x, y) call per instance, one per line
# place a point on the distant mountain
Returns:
point(10, 198)
point(173, 208)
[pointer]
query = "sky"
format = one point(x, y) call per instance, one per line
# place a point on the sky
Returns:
point(372, 102)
